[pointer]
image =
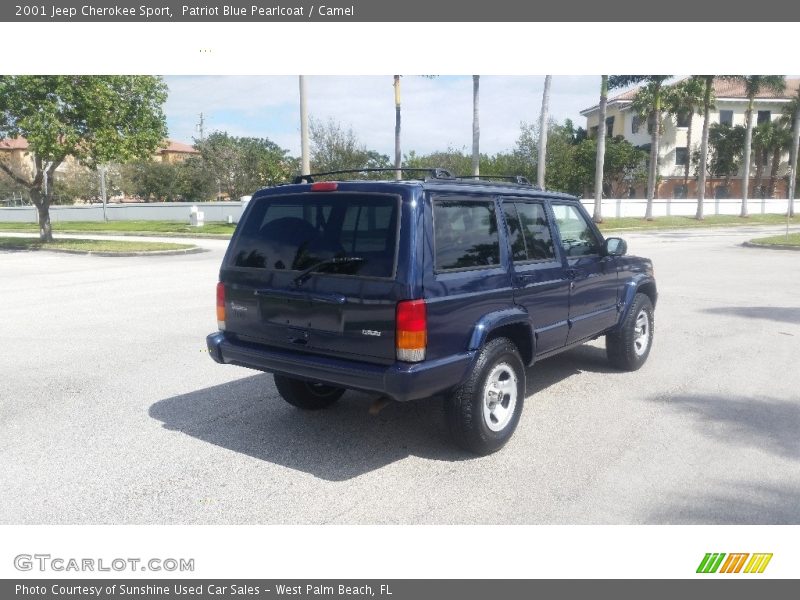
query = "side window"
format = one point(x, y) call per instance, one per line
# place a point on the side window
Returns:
point(537, 232)
point(528, 231)
point(465, 234)
point(577, 236)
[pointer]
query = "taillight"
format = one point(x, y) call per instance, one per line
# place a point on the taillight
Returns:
point(324, 186)
point(221, 306)
point(412, 330)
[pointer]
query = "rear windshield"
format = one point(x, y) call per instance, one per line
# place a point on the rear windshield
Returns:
point(296, 232)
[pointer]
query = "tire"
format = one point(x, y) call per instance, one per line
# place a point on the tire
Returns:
point(629, 347)
point(305, 394)
point(478, 422)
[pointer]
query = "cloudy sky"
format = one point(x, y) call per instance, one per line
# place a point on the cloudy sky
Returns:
point(437, 112)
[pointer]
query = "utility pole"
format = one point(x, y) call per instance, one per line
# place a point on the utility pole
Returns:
point(543, 121)
point(398, 174)
point(305, 159)
point(102, 170)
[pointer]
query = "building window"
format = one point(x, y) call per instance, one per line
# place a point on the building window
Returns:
point(679, 192)
point(681, 156)
point(683, 118)
point(726, 117)
point(593, 131)
point(764, 116)
point(636, 122)
point(610, 127)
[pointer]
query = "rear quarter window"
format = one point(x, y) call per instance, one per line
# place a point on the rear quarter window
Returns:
point(465, 234)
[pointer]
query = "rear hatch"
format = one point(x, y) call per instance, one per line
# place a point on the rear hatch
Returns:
point(316, 272)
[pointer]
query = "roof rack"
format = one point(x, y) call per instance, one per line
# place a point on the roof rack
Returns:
point(434, 172)
point(518, 179)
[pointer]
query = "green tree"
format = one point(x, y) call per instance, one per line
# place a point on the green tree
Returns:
point(792, 111)
point(187, 181)
point(624, 165)
point(241, 165)
point(95, 119)
point(648, 102)
point(753, 85)
point(334, 148)
point(726, 146)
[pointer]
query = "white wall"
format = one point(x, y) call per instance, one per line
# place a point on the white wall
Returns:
point(614, 207)
point(157, 211)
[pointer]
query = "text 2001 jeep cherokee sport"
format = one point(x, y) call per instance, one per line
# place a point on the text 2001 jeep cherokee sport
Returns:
point(425, 287)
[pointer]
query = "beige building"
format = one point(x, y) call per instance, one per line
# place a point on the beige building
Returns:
point(730, 107)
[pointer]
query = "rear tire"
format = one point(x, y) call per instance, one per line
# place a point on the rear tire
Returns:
point(483, 412)
point(305, 394)
point(628, 348)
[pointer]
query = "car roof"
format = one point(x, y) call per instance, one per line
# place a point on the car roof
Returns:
point(455, 185)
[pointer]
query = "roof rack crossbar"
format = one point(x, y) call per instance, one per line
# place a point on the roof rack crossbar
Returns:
point(518, 179)
point(434, 172)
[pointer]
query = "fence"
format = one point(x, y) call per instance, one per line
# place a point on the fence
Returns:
point(220, 211)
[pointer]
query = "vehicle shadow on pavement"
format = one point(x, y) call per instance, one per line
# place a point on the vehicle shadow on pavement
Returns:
point(344, 441)
point(782, 314)
point(335, 444)
point(551, 371)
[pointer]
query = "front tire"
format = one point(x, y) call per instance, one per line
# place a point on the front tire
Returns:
point(483, 412)
point(628, 348)
point(305, 394)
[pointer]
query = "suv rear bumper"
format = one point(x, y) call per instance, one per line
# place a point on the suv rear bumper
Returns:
point(399, 381)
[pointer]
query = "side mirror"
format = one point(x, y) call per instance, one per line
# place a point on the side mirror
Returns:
point(615, 246)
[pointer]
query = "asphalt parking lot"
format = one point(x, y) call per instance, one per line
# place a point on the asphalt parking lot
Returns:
point(112, 412)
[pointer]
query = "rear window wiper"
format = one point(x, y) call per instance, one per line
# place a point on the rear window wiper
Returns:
point(339, 260)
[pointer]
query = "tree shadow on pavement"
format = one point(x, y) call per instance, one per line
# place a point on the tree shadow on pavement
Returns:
point(767, 424)
point(781, 314)
point(740, 505)
point(339, 443)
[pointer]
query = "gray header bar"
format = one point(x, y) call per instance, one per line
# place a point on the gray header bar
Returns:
point(398, 589)
point(279, 11)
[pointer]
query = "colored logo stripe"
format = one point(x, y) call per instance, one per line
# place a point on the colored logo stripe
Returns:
point(758, 563)
point(734, 563)
point(710, 562)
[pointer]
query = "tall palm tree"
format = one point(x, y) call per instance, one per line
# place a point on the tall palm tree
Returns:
point(398, 174)
point(540, 171)
point(708, 101)
point(597, 217)
point(649, 103)
point(794, 110)
point(305, 155)
point(476, 127)
point(753, 85)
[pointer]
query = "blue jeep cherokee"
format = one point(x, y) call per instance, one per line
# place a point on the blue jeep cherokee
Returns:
point(415, 288)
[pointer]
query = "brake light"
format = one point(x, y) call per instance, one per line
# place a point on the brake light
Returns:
point(221, 306)
point(324, 186)
point(412, 330)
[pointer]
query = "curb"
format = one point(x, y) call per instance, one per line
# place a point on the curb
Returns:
point(195, 250)
point(771, 246)
point(201, 236)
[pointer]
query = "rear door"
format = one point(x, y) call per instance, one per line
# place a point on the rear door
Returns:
point(317, 272)
point(541, 284)
point(595, 285)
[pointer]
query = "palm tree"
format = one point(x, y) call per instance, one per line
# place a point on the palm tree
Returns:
point(476, 127)
point(540, 171)
point(794, 110)
point(708, 100)
point(683, 100)
point(597, 217)
point(649, 103)
point(753, 85)
point(305, 155)
point(398, 174)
